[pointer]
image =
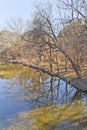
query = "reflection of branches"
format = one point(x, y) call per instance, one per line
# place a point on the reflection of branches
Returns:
point(43, 90)
point(54, 93)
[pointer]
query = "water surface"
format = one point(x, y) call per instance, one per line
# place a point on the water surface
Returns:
point(33, 101)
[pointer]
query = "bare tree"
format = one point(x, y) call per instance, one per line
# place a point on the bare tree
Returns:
point(47, 27)
point(76, 31)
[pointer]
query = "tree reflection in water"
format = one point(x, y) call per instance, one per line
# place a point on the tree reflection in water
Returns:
point(57, 104)
point(42, 89)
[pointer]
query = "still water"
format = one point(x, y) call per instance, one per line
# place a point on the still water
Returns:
point(33, 101)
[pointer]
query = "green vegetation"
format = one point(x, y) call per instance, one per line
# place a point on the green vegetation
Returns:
point(53, 118)
point(10, 71)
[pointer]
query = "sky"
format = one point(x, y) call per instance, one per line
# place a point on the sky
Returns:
point(16, 8)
